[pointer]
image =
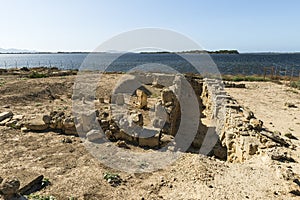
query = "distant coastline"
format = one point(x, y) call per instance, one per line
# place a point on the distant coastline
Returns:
point(158, 52)
point(154, 52)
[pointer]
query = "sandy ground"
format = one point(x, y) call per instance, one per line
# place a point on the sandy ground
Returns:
point(73, 172)
point(267, 100)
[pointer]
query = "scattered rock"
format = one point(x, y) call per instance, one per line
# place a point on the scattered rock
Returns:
point(275, 137)
point(5, 115)
point(33, 186)
point(47, 119)
point(24, 129)
point(67, 140)
point(12, 123)
point(3, 122)
point(137, 118)
point(290, 136)
point(122, 144)
point(36, 124)
point(290, 105)
point(282, 157)
point(68, 126)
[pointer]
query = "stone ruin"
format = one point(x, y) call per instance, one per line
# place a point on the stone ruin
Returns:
point(226, 129)
point(150, 116)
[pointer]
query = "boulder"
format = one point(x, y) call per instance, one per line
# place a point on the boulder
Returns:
point(5, 115)
point(36, 124)
point(141, 99)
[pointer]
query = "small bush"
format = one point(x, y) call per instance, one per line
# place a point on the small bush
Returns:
point(112, 179)
point(295, 84)
point(36, 75)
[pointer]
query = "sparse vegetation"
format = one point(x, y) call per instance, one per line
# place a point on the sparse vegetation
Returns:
point(239, 78)
point(292, 91)
point(40, 197)
point(46, 181)
point(295, 84)
point(36, 75)
point(2, 82)
point(112, 179)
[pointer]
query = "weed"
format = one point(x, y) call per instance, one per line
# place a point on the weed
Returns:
point(2, 83)
point(112, 179)
point(46, 181)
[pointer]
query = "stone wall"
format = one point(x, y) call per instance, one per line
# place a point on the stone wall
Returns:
point(240, 133)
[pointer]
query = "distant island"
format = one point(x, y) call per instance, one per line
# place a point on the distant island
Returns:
point(196, 52)
point(18, 51)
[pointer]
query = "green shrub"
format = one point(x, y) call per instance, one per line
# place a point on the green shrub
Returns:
point(295, 84)
point(36, 75)
point(112, 179)
point(40, 197)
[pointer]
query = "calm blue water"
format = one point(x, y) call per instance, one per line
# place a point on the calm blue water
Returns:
point(247, 64)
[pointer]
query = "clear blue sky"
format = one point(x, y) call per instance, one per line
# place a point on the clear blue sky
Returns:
point(70, 25)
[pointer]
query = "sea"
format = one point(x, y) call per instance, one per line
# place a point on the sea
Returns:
point(232, 64)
